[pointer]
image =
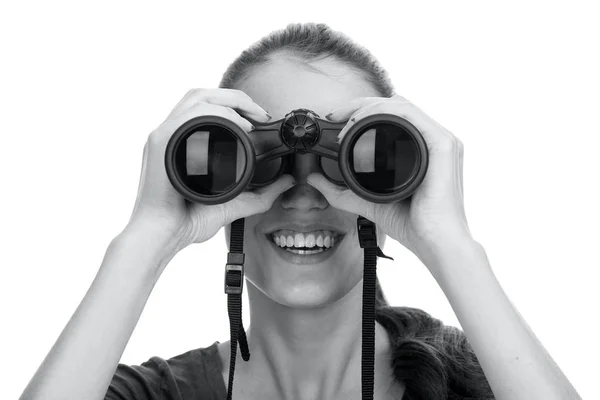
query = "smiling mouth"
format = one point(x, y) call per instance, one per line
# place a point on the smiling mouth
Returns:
point(305, 243)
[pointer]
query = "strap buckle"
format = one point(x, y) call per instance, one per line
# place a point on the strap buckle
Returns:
point(367, 234)
point(234, 273)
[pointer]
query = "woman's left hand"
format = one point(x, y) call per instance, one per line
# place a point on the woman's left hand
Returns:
point(433, 219)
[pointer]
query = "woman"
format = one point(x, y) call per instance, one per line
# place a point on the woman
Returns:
point(305, 334)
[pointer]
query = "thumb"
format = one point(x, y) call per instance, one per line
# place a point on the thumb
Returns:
point(341, 197)
point(259, 200)
point(333, 193)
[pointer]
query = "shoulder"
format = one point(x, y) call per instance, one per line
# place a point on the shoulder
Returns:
point(434, 360)
point(192, 374)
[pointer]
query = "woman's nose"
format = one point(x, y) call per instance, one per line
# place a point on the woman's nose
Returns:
point(303, 197)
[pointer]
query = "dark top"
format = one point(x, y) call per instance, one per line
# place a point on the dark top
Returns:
point(434, 361)
point(194, 375)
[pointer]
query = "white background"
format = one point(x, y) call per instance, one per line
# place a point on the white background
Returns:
point(83, 85)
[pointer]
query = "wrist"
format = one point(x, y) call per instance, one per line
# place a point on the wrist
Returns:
point(452, 258)
point(149, 250)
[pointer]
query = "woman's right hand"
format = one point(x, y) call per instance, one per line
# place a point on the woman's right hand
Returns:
point(160, 212)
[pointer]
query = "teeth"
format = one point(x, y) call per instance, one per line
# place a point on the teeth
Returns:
point(288, 238)
point(299, 240)
point(320, 241)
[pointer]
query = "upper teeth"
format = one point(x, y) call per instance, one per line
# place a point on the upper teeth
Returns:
point(289, 238)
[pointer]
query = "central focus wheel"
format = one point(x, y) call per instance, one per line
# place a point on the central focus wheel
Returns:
point(300, 130)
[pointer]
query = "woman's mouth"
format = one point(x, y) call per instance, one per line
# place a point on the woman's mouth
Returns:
point(305, 244)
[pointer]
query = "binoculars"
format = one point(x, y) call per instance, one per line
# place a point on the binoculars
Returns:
point(382, 158)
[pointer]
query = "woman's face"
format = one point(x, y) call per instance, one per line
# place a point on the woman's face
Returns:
point(302, 213)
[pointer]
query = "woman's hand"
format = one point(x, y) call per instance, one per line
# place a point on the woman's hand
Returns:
point(433, 218)
point(160, 211)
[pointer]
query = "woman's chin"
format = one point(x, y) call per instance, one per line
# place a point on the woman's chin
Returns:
point(303, 294)
point(303, 301)
point(307, 294)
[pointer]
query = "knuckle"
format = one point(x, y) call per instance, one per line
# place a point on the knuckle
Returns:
point(208, 97)
point(446, 143)
point(379, 103)
point(194, 93)
point(413, 110)
point(203, 108)
point(152, 138)
point(224, 213)
point(155, 139)
point(231, 113)
point(240, 93)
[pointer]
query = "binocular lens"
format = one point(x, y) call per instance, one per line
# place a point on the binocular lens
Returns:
point(384, 158)
point(215, 160)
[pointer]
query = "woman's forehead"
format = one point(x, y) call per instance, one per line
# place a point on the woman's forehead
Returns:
point(283, 85)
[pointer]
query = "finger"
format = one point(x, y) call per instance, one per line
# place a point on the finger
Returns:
point(182, 104)
point(357, 116)
point(259, 200)
point(376, 105)
point(200, 109)
point(436, 136)
point(397, 97)
point(344, 113)
point(232, 98)
point(155, 185)
point(445, 160)
point(341, 197)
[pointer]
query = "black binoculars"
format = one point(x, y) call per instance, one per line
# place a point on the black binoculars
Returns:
point(210, 159)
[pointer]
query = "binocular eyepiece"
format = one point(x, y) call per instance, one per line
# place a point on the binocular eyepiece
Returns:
point(210, 159)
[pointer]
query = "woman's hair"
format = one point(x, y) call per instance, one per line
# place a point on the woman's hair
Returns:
point(306, 43)
point(435, 361)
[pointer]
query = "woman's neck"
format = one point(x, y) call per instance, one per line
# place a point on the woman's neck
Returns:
point(310, 353)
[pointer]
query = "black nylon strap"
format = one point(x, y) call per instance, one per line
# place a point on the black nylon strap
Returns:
point(235, 280)
point(368, 323)
point(367, 238)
